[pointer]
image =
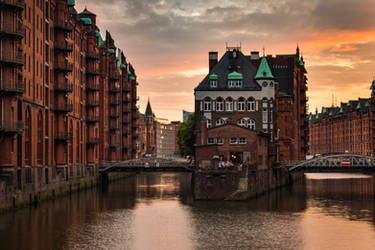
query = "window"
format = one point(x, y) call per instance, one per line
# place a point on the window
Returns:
point(207, 104)
point(234, 83)
point(219, 104)
point(213, 83)
point(251, 124)
point(220, 121)
point(241, 104)
point(233, 140)
point(220, 141)
point(242, 140)
point(210, 141)
point(265, 116)
point(265, 103)
point(241, 122)
point(250, 104)
point(209, 124)
point(229, 105)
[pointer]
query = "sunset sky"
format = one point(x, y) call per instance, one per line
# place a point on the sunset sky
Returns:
point(168, 42)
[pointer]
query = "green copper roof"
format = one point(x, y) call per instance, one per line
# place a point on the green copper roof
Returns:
point(111, 51)
point(97, 33)
point(71, 3)
point(264, 70)
point(122, 66)
point(117, 58)
point(359, 105)
point(132, 78)
point(310, 117)
point(317, 116)
point(330, 113)
point(324, 110)
point(129, 73)
point(137, 84)
point(372, 85)
point(367, 104)
point(341, 110)
point(348, 104)
point(86, 20)
point(213, 76)
point(235, 76)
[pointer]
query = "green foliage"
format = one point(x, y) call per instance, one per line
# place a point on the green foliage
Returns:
point(185, 137)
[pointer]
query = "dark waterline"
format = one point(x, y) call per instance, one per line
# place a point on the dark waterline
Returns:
point(157, 211)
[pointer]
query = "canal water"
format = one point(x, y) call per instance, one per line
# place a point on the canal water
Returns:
point(157, 211)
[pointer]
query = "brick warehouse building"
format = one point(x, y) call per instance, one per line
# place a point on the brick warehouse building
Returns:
point(245, 106)
point(67, 98)
point(347, 128)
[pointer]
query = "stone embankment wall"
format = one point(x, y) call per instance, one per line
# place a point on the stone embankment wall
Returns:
point(234, 185)
point(30, 186)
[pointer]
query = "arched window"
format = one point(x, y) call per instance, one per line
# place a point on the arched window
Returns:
point(219, 104)
point(28, 137)
point(250, 104)
point(241, 104)
point(251, 124)
point(242, 122)
point(229, 104)
point(40, 138)
point(207, 104)
point(220, 122)
point(264, 102)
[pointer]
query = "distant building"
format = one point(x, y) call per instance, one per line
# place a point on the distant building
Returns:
point(157, 137)
point(185, 115)
point(344, 129)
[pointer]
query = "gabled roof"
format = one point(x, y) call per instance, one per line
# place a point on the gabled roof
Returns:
point(86, 12)
point(264, 71)
point(225, 67)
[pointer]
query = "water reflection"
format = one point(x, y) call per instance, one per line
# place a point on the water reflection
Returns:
point(157, 211)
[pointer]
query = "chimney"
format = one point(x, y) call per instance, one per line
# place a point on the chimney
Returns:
point(254, 55)
point(212, 59)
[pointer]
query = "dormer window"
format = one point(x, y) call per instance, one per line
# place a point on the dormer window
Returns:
point(213, 80)
point(235, 80)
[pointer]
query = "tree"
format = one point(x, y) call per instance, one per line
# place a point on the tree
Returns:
point(185, 137)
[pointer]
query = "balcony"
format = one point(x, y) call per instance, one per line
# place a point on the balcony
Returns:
point(92, 56)
point(12, 87)
point(125, 100)
point(114, 102)
point(114, 76)
point(17, 4)
point(114, 127)
point(126, 89)
point(63, 66)
point(63, 87)
point(12, 30)
point(11, 126)
point(63, 107)
point(64, 26)
point(92, 119)
point(114, 145)
point(114, 89)
point(63, 136)
point(64, 46)
point(92, 141)
point(114, 115)
point(92, 87)
point(125, 121)
point(92, 72)
point(12, 58)
point(92, 103)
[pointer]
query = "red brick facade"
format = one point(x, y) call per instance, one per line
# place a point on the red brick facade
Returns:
point(68, 99)
point(344, 129)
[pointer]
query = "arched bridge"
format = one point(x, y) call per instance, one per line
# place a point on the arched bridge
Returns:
point(148, 165)
point(335, 163)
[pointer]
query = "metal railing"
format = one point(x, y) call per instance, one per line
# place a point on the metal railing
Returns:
point(114, 76)
point(64, 46)
point(11, 126)
point(17, 3)
point(92, 119)
point(63, 26)
point(63, 107)
point(63, 136)
point(64, 87)
point(64, 66)
point(92, 103)
point(12, 86)
point(16, 29)
point(92, 55)
point(92, 87)
point(12, 57)
point(92, 71)
point(92, 140)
